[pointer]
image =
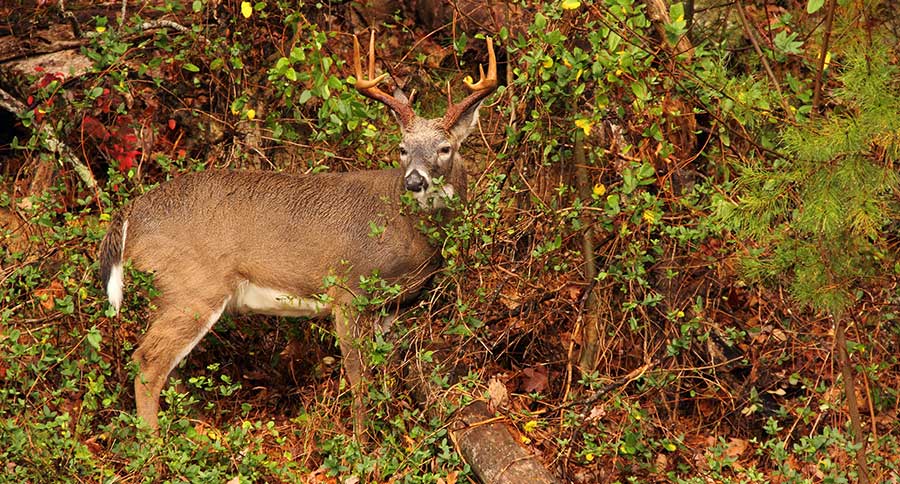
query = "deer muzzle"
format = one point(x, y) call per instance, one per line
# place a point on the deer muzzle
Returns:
point(415, 182)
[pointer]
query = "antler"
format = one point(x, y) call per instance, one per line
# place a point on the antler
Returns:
point(480, 90)
point(369, 87)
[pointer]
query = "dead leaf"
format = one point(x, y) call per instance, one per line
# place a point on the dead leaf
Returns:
point(736, 447)
point(294, 350)
point(662, 462)
point(499, 397)
point(46, 296)
point(452, 477)
point(535, 379)
point(597, 413)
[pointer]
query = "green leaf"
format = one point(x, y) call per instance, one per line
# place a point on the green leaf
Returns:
point(813, 6)
point(640, 90)
point(282, 64)
point(190, 67)
point(676, 12)
point(94, 337)
point(540, 21)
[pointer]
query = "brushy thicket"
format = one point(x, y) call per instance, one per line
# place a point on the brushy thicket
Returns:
point(736, 232)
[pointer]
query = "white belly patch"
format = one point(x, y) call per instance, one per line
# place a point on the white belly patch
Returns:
point(250, 298)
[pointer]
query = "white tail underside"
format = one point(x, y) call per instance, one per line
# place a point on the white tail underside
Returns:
point(116, 277)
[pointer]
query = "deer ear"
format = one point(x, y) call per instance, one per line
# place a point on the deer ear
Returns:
point(400, 96)
point(466, 123)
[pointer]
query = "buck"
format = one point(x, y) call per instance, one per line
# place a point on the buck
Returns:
point(263, 242)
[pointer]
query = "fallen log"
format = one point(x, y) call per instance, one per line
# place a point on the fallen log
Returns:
point(482, 438)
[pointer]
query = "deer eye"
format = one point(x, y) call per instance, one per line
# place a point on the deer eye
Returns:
point(444, 150)
point(402, 151)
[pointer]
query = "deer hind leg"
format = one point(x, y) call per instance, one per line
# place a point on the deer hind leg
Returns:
point(352, 337)
point(174, 331)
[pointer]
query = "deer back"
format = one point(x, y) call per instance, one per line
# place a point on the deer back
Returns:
point(277, 230)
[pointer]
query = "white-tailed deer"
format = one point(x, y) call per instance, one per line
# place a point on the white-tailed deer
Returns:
point(264, 242)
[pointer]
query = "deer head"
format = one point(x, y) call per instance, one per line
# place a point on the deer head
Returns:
point(429, 149)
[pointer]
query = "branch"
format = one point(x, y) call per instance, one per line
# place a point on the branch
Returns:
point(53, 143)
point(817, 89)
point(762, 57)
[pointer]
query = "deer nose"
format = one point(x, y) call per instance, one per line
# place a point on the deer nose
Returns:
point(415, 182)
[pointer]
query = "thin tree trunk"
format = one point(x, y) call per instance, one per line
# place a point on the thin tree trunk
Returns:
point(852, 404)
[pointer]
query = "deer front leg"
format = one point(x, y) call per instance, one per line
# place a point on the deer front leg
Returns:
point(352, 337)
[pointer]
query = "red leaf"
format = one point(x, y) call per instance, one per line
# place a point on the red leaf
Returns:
point(94, 128)
point(171, 123)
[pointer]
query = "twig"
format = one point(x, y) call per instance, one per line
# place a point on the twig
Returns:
point(852, 404)
point(820, 69)
point(53, 143)
point(155, 24)
point(762, 57)
point(68, 15)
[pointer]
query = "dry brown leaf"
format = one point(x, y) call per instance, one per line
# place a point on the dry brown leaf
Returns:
point(596, 413)
point(736, 447)
point(46, 296)
point(499, 397)
point(535, 379)
point(452, 477)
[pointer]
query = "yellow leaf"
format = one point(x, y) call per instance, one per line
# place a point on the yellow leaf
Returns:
point(525, 440)
point(531, 426)
point(468, 80)
point(585, 125)
point(589, 456)
point(571, 4)
point(101, 29)
point(251, 113)
point(649, 217)
point(599, 190)
point(548, 63)
point(827, 60)
point(246, 9)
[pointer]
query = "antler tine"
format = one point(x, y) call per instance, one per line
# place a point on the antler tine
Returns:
point(371, 54)
point(486, 82)
point(362, 83)
point(483, 88)
point(369, 86)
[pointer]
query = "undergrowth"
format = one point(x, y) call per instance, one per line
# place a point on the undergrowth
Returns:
point(734, 228)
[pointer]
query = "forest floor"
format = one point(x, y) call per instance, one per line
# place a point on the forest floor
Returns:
point(596, 292)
